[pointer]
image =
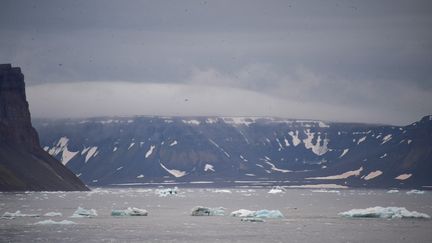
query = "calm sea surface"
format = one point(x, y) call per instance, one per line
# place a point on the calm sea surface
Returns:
point(310, 216)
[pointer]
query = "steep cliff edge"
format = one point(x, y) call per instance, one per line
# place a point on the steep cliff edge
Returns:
point(23, 164)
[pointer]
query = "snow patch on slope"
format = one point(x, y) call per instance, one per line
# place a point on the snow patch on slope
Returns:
point(174, 172)
point(295, 139)
point(403, 177)
point(340, 176)
point(373, 175)
point(208, 167)
point(316, 148)
point(150, 151)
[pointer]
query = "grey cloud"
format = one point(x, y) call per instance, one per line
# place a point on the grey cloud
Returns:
point(356, 54)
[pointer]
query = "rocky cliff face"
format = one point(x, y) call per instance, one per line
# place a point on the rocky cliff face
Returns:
point(23, 164)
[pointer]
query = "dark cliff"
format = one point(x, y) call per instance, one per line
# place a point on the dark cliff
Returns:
point(23, 164)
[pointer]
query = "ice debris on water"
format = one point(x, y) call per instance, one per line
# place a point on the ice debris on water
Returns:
point(53, 214)
point(84, 213)
point(166, 191)
point(18, 213)
point(49, 221)
point(415, 192)
point(222, 191)
point(393, 191)
point(205, 211)
point(252, 220)
point(264, 213)
point(129, 212)
point(383, 212)
point(277, 189)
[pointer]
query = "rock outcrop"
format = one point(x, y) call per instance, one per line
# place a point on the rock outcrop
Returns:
point(23, 164)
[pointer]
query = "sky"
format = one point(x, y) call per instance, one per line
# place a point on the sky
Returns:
point(350, 61)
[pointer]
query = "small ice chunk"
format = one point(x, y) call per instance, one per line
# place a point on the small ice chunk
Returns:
point(222, 191)
point(264, 213)
point(50, 221)
point(205, 211)
point(383, 212)
point(18, 213)
point(84, 213)
point(415, 192)
point(277, 189)
point(268, 214)
point(393, 191)
point(129, 212)
point(254, 220)
point(53, 214)
point(166, 191)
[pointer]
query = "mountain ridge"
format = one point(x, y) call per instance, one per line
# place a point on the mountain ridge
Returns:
point(291, 151)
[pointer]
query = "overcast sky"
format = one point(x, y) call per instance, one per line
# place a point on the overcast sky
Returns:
point(360, 61)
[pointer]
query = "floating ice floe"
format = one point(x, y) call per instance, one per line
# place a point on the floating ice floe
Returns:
point(205, 211)
point(393, 191)
point(129, 212)
point(383, 212)
point(166, 191)
point(264, 213)
point(53, 214)
point(18, 213)
point(277, 189)
point(84, 213)
point(415, 192)
point(49, 221)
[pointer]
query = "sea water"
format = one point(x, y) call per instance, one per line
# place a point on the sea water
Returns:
point(309, 216)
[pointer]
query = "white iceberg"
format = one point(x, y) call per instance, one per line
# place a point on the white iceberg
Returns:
point(18, 213)
point(166, 191)
point(49, 221)
point(415, 192)
point(84, 213)
point(264, 213)
point(130, 212)
point(383, 212)
point(277, 189)
point(53, 214)
point(205, 211)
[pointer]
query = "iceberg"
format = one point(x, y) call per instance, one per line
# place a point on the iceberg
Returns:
point(384, 212)
point(84, 213)
point(53, 214)
point(49, 221)
point(130, 212)
point(415, 192)
point(264, 213)
point(205, 211)
point(166, 191)
point(277, 189)
point(18, 213)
